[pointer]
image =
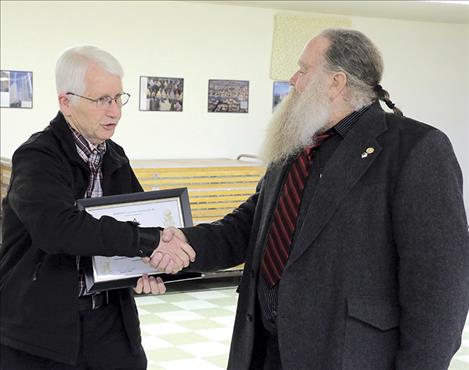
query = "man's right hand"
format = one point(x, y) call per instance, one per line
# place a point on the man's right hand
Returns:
point(173, 253)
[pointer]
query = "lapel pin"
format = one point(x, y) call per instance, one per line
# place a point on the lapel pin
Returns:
point(368, 150)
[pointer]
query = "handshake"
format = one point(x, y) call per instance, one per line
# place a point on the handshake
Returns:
point(173, 253)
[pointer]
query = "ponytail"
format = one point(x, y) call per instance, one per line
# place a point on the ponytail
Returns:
point(384, 96)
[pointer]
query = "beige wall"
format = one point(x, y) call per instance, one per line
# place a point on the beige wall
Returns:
point(426, 70)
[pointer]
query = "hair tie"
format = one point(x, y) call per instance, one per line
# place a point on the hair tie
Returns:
point(390, 104)
point(378, 88)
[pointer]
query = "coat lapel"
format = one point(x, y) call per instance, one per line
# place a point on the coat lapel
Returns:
point(343, 170)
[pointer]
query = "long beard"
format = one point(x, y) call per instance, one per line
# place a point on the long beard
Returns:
point(295, 121)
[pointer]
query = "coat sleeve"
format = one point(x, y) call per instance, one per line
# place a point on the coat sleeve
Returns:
point(42, 197)
point(223, 243)
point(431, 235)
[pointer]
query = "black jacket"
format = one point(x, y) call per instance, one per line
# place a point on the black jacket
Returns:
point(43, 232)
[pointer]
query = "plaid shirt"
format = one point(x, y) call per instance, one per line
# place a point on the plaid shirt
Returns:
point(92, 155)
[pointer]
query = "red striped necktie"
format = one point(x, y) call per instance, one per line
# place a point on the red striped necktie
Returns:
point(280, 236)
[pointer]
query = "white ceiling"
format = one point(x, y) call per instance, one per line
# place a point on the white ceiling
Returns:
point(429, 11)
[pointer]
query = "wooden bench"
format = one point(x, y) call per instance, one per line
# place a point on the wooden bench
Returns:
point(215, 186)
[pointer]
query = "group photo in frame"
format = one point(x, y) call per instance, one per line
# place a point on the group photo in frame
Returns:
point(16, 89)
point(161, 94)
point(161, 208)
point(228, 96)
point(280, 91)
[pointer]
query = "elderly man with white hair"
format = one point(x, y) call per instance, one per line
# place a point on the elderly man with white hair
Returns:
point(48, 319)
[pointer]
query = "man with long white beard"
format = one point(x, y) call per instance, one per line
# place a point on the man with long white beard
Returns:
point(296, 120)
point(355, 243)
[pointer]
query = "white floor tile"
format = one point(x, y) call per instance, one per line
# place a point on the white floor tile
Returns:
point(231, 308)
point(205, 349)
point(151, 299)
point(208, 294)
point(224, 320)
point(219, 334)
point(151, 342)
point(194, 304)
point(463, 358)
point(141, 311)
point(175, 316)
point(163, 328)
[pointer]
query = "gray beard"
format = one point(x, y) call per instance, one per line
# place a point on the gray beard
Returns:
point(295, 121)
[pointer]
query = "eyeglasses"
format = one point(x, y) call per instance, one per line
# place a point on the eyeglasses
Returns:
point(105, 102)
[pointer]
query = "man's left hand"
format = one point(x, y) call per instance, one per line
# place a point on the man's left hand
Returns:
point(150, 285)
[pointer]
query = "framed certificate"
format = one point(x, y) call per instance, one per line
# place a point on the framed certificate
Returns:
point(162, 208)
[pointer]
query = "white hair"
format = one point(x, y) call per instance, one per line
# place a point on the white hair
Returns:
point(71, 67)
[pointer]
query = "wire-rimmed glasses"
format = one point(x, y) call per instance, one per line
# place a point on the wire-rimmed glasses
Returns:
point(105, 102)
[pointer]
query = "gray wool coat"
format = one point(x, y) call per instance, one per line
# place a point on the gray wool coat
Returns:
point(378, 276)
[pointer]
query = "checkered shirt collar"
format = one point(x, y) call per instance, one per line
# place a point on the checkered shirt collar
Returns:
point(85, 148)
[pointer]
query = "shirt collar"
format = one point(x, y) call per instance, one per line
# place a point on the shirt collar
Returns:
point(345, 124)
point(85, 145)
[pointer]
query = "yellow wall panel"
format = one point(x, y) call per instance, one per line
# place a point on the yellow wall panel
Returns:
point(291, 33)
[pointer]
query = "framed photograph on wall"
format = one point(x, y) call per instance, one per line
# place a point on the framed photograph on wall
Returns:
point(16, 89)
point(161, 208)
point(280, 90)
point(228, 96)
point(161, 94)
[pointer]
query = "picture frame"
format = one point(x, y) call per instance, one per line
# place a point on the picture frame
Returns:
point(228, 96)
point(161, 94)
point(16, 89)
point(162, 208)
point(279, 92)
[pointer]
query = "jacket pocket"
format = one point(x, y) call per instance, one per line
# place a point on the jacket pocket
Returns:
point(374, 311)
point(371, 333)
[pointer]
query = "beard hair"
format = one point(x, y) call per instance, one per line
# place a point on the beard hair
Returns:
point(295, 121)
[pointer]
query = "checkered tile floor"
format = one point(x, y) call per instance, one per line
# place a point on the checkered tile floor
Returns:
point(192, 330)
point(188, 330)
